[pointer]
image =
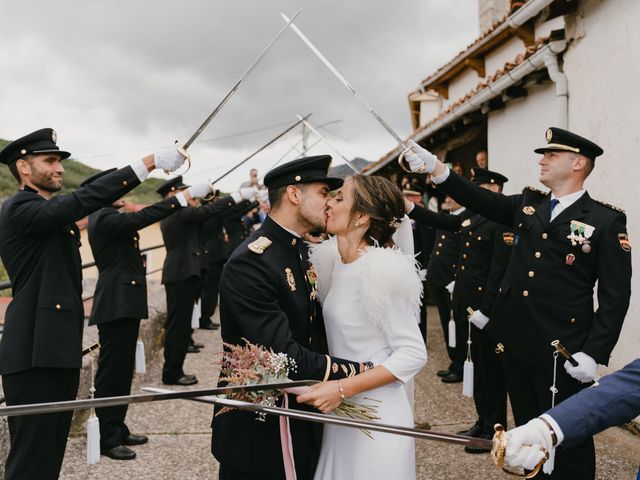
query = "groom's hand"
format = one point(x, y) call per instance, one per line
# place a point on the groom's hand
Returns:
point(323, 396)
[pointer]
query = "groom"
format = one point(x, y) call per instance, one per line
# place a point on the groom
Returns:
point(268, 296)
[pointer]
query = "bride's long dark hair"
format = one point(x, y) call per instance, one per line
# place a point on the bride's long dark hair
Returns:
point(382, 201)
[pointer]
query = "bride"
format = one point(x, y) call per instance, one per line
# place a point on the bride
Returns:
point(370, 293)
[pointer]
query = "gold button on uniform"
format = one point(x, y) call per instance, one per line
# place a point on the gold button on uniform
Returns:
point(442, 237)
point(519, 225)
point(439, 244)
point(58, 306)
point(437, 252)
point(72, 232)
point(466, 244)
point(531, 274)
point(479, 238)
point(464, 255)
point(525, 293)
point(545, 236)
point(298, 178)
point(470, 233)
point(462, 267)
point(573, 320)
point(125, 183)
point(479, 289)
point(133, 282)
point(537, 255)
point(293, 242)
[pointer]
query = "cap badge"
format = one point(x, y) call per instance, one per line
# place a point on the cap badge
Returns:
point(548, 135)
point(528, 210)
point(260, 245)
point(290, 280)
point(54, 136)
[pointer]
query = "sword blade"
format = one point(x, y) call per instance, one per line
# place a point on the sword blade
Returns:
point(343, 80)
point(342, 421)
point(319, 135)
point(226, 98)
point(51, 407)
point(270, 142)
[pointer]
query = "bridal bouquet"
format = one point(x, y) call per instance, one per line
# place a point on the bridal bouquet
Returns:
point(251, 364)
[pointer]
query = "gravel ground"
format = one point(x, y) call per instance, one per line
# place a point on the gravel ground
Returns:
point(179, 433)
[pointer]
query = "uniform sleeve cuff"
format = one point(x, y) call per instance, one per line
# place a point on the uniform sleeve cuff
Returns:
point(183, 201)
point(555, 426)
point(441, 178)
point(140, 169)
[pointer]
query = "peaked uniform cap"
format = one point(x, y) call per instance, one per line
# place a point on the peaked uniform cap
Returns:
point(566, 141)
point(38, 142)
point(302, 170)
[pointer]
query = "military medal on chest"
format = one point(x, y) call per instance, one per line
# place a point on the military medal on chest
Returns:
point(580, 235)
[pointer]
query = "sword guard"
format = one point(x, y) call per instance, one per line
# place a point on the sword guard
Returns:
point(404, 165)
point(500, 448)
point(182, 151)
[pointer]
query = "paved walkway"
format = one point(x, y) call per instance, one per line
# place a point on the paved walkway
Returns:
point(179, 430)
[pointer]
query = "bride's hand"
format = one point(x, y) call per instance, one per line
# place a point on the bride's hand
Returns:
point(324, 396)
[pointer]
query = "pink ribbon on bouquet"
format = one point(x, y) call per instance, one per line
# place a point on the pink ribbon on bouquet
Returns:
point(287, 447)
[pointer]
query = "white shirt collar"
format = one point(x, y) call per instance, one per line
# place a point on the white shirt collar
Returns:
point(458, 211)
point(570, 199)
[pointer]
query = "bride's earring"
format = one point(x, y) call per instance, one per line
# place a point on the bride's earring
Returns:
point(357, 223)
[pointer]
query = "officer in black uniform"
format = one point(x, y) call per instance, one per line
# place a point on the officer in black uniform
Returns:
point(41, 347)
point(268, 296)
point(564, 242)
point(423, 240)
point(120, 301)
point(183, 269)
point(441, 274)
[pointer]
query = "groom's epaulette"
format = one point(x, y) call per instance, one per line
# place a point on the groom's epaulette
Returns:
point(608, 205)
point(535, 190)
point(260, 245)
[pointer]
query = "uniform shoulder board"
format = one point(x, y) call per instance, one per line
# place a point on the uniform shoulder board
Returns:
point(612, 207)
point(529, 187)
point(260, 245)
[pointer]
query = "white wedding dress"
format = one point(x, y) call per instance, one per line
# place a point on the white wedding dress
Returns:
point(369, 312)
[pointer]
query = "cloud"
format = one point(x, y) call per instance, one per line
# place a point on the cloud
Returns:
point(118, 79)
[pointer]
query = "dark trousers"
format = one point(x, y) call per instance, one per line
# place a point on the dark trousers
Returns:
point(528, 387)
point(303, 472)
point(489, 384)
point(442, 299)
point(209, 294)
point(113, 378)
point(181, 297)
point(38, 441)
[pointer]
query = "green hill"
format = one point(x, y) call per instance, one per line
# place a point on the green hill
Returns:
point(74, 173)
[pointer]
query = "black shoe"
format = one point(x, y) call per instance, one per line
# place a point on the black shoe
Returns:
point(135, 439)
point(486, 436)
point(474, 431)
point(184, 381)
point(193, 349)
point(452, 378)
point(198, 345)
point(119, 453)
point(443, 373)
point(208, 325)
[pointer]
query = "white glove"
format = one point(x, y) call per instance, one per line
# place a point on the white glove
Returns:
point(245, 193)
point(585, 372)
point(420, 160)
point(169, 160)
point(450, 287)
point(263, 195)
point(200, 190)
point(479, 319)
point(525, 444)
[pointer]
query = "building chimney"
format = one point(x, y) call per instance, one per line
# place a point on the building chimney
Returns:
point(491, 11)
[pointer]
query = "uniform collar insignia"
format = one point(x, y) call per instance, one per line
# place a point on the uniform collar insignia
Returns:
point(528, 210)
point(466, 223)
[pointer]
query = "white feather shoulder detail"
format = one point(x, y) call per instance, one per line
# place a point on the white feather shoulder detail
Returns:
point(386, 275)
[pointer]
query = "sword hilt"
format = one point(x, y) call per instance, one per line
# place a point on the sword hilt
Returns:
point(500, 449)
point(563, 351)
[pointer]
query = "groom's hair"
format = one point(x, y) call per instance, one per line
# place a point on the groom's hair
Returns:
point(277, 194)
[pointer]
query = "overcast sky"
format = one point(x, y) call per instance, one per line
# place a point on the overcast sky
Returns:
point(119, 79)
